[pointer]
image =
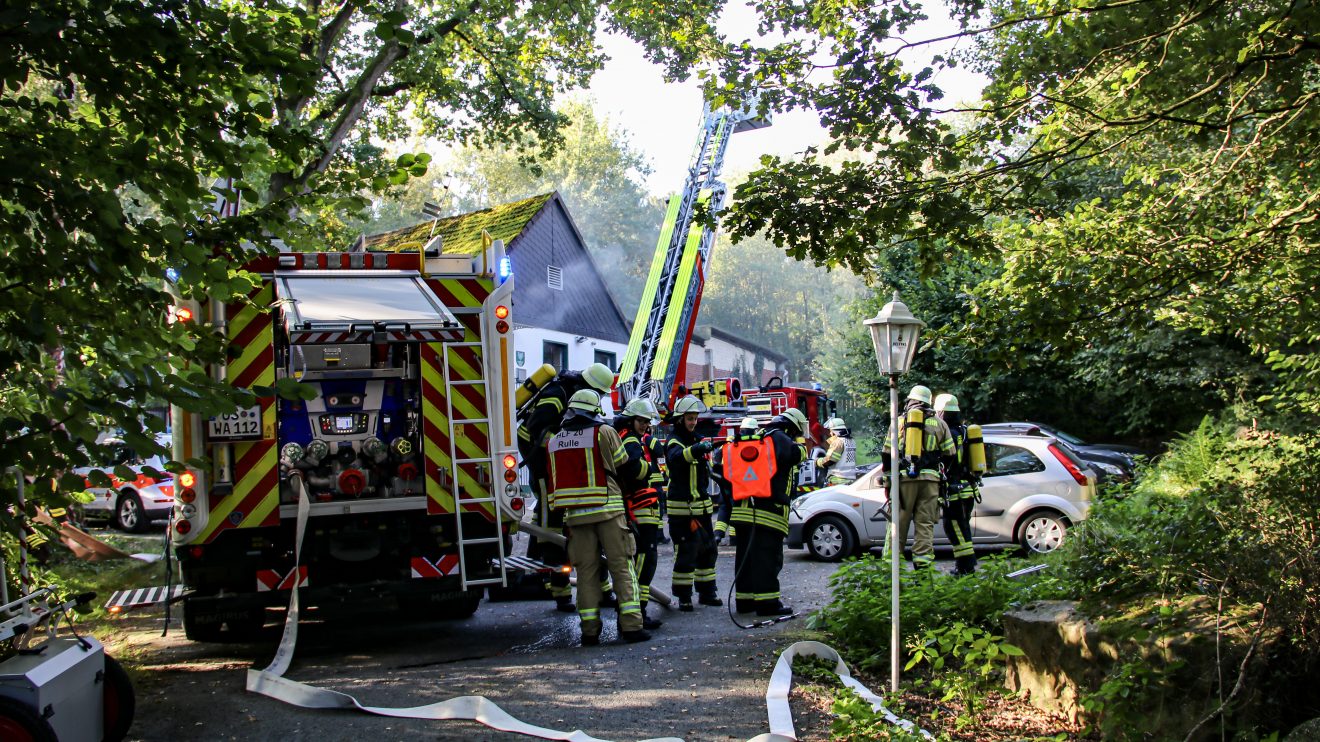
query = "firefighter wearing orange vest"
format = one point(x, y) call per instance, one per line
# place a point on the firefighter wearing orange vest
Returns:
point(586, 462)
point(642, 494)
point(690, 508)
point(761, 467)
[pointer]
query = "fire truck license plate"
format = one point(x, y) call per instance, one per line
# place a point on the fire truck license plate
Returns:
point(241, 425)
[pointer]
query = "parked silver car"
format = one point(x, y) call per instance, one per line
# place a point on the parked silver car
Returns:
point(1034, 489)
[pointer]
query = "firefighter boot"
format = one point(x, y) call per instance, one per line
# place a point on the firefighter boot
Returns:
point(743, 605)
point(710, 599)
point(964, 565)
point(609, 600)
point(773, 608)
point(564, 604)
point(632, 637)
point(648, 623)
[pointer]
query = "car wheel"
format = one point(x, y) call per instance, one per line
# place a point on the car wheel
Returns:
point(831, 539)
point(1042, 531)
point(129, 514)
point(21, 722)
point(120, 703)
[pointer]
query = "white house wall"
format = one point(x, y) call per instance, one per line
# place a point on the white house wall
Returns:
point(529, 344)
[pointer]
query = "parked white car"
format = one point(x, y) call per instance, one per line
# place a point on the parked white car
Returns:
point(1033, 490)
point(130, 505)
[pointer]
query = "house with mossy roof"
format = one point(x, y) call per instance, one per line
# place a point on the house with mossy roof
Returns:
point(563, 314)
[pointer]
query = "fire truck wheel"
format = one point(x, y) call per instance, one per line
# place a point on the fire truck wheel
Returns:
point(120, 702)
point(129, 514)
point(20, 723)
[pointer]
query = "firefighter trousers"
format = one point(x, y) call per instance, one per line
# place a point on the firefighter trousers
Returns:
point(757, 562)
point(648, 556)
point(920, 500)
point(958, 529)
point(694, 557)
point(585, 542)
point(549, 553)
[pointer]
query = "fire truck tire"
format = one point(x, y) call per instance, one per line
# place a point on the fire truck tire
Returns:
point(129, 513)
point(120, 703)
point(234, 625)
point(21, 722)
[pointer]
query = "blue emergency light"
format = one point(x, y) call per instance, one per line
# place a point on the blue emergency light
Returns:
point(172, 275)
point(506, 268)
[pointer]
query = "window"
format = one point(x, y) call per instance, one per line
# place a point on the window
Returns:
point(555, 354)
point(1003, 460)
point(607, 358)
point(554, 277)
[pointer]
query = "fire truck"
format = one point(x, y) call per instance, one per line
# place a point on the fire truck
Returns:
point(401, 448)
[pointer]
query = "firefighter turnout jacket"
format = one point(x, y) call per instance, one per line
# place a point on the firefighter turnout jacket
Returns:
point(937, 449)
point(587, 461)
point(761, 468)
point(689, 476)
point(840, 458)
point(643, 491)
point(542, 422)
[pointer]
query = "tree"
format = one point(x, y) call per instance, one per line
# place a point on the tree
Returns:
point(1140, 165)
point(117, 117)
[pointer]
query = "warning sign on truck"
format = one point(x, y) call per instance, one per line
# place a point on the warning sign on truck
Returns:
point(240, 425)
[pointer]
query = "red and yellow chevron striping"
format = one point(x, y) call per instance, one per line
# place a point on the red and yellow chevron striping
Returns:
point(435, 430)
point(254, 500)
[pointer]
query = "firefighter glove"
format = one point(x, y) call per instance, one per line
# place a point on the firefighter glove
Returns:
point(703, 447)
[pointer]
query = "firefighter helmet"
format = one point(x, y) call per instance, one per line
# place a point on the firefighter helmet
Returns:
point(920, 393)
point(599, 377)
point(688, 404)
point(946, 403)
point(795, 418)
point(641, 407)
point(585, 401)
point(749, 423)
point(836, 423)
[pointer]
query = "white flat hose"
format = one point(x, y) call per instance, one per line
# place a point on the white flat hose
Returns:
point(271, 682)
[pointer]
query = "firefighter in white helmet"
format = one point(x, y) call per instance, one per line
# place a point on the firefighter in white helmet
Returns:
point(690, 508)
point(840, 458)
point(642, 493)
point(586, 462)
point(925, 445)
point(761, 466)
point(538, 420)
point(961, 487)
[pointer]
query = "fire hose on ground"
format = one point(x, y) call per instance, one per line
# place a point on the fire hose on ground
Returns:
point(270, 682)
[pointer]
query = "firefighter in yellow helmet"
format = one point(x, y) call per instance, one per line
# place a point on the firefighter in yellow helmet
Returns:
point(840, 458)
point(962, 482)
point(761, 466)
point(925, 445)
point(690, 508)
point(586, 462)
point(642, 493)
point(538, 420)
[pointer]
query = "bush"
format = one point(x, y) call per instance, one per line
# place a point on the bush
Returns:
point(858, 617)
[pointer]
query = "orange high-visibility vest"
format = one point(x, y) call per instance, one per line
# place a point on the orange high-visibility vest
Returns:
point(749, 464)
point(577, 470)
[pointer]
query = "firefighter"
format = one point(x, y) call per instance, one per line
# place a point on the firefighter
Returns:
point(723, 527)
point(840, 457)
point(586, 461)
point(961, 488)
point(642, 494)
point(690, 508)
point(762, 466)
point(541, 422)
point(919, 488)
point(659, 479)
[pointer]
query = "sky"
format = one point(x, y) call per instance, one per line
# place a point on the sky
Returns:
point(664, 118)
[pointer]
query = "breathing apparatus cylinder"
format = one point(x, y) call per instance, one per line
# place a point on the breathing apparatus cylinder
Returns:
point(914, 437)
point(539, 378)
point(975, 450)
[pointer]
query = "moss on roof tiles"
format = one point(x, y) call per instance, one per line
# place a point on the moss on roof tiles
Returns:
point(461, 234)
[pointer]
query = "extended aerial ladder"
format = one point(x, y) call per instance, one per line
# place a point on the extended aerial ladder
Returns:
point(654, 364)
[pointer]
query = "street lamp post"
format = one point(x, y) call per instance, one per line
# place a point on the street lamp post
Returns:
point(894, 333)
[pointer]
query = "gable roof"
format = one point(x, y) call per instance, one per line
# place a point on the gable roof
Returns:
point(538, 233)
point(461, 234)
